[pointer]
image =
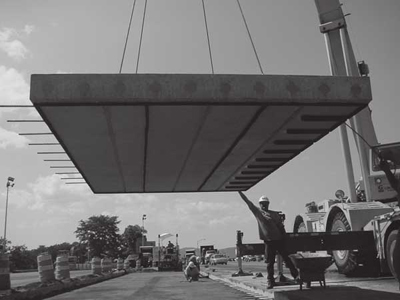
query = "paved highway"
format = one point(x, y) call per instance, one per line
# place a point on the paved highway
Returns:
point(155, 285)
point(19, 279)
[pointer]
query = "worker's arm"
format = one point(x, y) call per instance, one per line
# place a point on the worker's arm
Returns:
point(250, 204)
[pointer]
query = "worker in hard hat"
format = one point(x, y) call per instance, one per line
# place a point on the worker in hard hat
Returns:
point(272, 232)
point(192, 271)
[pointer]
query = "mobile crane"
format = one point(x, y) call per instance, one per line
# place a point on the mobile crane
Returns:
point(373, 205)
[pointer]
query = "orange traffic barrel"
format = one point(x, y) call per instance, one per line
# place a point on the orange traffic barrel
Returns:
point(5, 283)
point(105, 265)
point(120, 264)
point(126, 264)
point(96, 267)
point(45, 267)
point(62, 267)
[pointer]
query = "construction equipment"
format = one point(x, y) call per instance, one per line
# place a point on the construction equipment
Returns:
point(169, 257)
point(146, 256)
point(372, 205)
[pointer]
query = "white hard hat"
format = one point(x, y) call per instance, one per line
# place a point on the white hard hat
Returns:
point(263, 199)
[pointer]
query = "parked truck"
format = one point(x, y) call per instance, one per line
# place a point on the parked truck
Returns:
point(373, 204)
point(203, 252)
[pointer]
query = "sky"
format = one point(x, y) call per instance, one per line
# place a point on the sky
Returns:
point(87, 36)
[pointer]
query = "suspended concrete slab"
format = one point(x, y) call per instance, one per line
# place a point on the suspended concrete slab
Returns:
point(146, 133)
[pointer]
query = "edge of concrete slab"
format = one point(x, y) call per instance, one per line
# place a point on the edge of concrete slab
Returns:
point(56, 287)
point(252, 288)
point(332, 291)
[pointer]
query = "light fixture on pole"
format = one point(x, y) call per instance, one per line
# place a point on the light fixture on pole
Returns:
point(143, 218)
point(10, 183)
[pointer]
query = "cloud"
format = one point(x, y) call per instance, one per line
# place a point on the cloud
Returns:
point(28, 29)
point(13, 87)
point(224, 220)
point(50, 194)
point(14, 48)
point(12, 139)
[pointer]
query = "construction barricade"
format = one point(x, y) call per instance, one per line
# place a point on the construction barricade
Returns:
point(96, 267)
point(106, 265)
point(45, 267)
point(5, 283)
point(120, 264)
point(126, 264)
point(62, 267)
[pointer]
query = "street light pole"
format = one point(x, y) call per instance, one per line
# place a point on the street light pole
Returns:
point(10, 183)
point(143, 218)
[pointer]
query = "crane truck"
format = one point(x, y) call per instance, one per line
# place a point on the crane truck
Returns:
point(373, 203)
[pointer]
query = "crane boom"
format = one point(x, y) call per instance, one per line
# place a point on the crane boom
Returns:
point(343, 63)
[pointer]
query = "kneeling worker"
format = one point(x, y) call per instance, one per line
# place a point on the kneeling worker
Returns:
point(191, 271)
point(272, 232)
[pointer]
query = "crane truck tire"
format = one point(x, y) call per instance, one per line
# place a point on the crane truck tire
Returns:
point(345, 260)
point(390, 245)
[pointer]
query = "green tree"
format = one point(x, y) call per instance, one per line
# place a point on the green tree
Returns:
point(100, 235)
point(7, 243)
point(130, 237)
point(21, 258)
point(79, 250)
point(56, 249)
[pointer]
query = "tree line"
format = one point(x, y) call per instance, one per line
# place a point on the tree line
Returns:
point(97, 236)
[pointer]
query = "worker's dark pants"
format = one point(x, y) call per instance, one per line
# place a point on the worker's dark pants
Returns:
point(271, 248)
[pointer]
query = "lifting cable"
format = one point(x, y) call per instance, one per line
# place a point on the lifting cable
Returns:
point(141, 36)
point(127, 36)
point(208, 37)
point(251, 39)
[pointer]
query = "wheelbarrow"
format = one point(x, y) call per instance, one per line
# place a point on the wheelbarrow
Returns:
point(311, 267)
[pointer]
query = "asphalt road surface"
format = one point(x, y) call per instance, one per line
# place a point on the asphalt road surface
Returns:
point(19, 279)
point(155, 285)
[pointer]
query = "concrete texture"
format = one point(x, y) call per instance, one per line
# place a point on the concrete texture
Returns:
point(155, 286)
point(338, 286)
point(335, 293)
point(43, 291)
point(187, 133)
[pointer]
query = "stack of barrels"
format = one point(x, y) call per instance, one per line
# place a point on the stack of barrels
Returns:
point(106, 265)
point(5, 283)
point(96, 267)
point(45, 267)
point(126, 264)
point(120, 264)
point(62, 267)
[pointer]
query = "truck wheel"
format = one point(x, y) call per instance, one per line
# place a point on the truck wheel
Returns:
point(345, 260)
point(390, 245)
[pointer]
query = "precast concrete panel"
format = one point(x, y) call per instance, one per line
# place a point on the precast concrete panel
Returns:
point(84, 134)
point(172, 131)
point(128, 123)
point(143, 133)
point(222, 127)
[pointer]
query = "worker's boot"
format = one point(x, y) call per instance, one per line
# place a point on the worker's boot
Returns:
point(270, 284)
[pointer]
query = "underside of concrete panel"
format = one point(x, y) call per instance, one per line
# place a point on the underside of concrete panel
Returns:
point(142, 133)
